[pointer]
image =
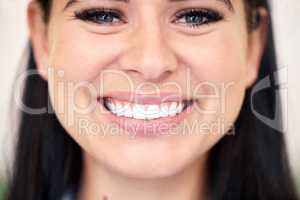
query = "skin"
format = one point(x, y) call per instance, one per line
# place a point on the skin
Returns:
point(118, 167)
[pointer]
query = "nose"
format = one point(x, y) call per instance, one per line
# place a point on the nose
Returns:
point(148, 55)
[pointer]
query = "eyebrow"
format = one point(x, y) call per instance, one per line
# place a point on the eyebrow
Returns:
point(228, 3)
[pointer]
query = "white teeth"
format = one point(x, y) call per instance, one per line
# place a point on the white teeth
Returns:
point(173, 109)
point(164, 110)
point(119, 109)
point(127, 110)
point(179, 107)
point(139, 111)
point(153, 112)
point(111, 106)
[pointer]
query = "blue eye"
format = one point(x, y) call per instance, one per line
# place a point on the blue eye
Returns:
point(100, 16)
point(197, 17)
point(191, 17)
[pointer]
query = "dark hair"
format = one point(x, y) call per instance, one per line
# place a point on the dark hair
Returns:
point(252, 164)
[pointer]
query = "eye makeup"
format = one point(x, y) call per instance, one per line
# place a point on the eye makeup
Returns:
point(100, 15)
point(191, 17)
point(195, 17)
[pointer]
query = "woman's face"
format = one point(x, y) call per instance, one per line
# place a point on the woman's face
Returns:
point(144, 52)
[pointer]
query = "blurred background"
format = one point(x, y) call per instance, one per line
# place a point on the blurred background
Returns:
point(14, 36)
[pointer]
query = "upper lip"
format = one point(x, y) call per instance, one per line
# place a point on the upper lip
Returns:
point(139, 98)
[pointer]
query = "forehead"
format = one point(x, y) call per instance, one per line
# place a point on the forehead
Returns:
point(228, 3)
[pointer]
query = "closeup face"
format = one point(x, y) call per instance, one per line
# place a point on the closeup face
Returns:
point(146, 88)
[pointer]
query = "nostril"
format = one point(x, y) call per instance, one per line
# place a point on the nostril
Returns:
point(147, 75)
point(149, 61)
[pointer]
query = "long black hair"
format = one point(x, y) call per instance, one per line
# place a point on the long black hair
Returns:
point(251, 164)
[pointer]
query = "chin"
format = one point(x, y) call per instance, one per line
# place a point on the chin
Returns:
point(150, 170)
point(143, 164)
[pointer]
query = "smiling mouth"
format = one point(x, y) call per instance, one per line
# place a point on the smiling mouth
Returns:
point(144, 111)
point(144, 115)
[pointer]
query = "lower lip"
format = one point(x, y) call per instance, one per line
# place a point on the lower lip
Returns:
point(148, 128)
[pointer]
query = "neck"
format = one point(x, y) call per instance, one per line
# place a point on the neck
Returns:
point(102, 184)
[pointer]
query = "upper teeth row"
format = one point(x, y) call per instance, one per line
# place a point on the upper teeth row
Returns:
point(140, 111)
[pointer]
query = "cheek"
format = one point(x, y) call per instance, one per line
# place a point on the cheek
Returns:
point(217, 58)
point(82, 55)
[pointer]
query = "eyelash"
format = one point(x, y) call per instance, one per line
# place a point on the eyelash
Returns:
point(93, 14)
point(99, 15)
point(205, 16)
